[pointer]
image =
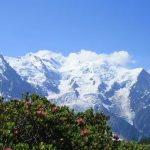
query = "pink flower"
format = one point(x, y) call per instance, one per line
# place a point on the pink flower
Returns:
point(28, 103)
point(39, 113)
point(7, 148)
point(54, 109)
point(80, 121)
point(84, 132)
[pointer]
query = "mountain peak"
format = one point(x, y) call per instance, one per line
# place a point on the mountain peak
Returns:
point(2, 58)
point(144, 78)
point(3, 64)
point(143, 71)
point(47, 54)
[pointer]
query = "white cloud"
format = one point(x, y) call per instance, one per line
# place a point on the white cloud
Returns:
point(85, 56)
point(118, 58)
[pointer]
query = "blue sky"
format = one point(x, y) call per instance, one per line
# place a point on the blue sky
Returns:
point(67, 26)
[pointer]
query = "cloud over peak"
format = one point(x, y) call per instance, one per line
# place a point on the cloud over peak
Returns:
point(85, 56)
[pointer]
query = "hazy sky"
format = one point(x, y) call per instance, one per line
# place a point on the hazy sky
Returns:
point(67, 26)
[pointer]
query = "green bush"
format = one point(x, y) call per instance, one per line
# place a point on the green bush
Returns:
point(125, 145)
point(34, 123)
point(146, 142)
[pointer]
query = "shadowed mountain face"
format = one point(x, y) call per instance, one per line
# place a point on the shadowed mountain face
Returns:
point(140, 92)
point(83, 80)
point(11, 83)
point(140, 102)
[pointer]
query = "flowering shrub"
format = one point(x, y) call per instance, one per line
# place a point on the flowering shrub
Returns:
point(34, 123)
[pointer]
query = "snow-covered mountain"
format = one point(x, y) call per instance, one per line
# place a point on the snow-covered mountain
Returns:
point(11, 84)
point(82, 80)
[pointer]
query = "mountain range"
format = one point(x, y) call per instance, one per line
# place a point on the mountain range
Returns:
point(83, 80)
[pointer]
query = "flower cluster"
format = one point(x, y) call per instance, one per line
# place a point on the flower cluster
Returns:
point(80, 121)
point(84, 132)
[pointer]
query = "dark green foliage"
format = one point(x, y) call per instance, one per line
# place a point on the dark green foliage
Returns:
point(146, 142)
point(36, 124)
point(125, 145)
